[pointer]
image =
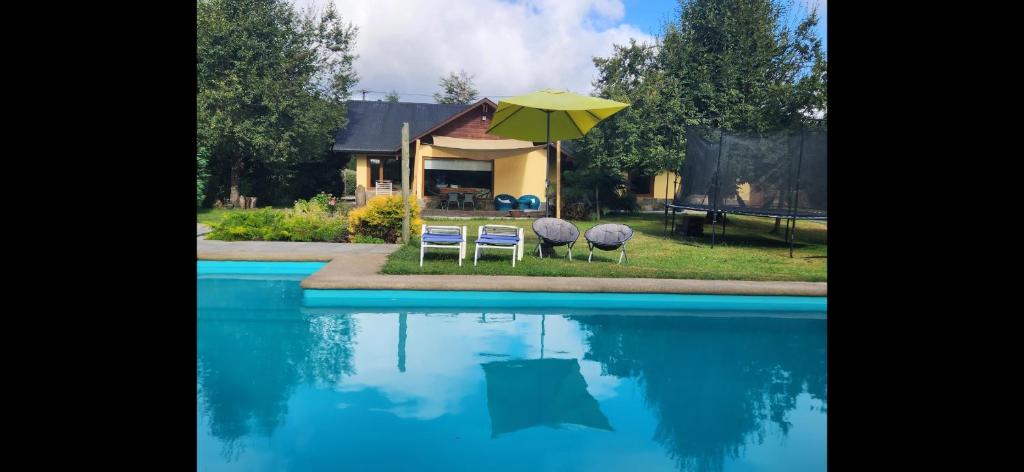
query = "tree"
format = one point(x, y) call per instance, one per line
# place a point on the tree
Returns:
point(643, 137)
point(272, 83)
point(742, 67)
point(457, 89)
point(201, 175)
point(734, 64)
point(392, 97)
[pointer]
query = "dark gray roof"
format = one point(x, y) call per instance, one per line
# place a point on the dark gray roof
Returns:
point(377, 126)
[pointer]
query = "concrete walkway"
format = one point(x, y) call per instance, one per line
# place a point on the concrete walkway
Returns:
point(202, 229)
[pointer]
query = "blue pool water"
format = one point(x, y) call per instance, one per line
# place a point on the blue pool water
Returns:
point(286, 384)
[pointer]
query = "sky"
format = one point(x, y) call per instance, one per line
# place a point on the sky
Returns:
point(510, 47)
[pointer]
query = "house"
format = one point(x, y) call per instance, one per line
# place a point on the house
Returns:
point(449, 149)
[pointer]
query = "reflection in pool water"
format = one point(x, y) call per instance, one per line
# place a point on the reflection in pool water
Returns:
point(282, 387)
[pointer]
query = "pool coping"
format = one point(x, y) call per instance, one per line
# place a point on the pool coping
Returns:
point(322, 279)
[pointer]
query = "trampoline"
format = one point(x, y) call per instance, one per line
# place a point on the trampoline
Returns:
point(784, 175)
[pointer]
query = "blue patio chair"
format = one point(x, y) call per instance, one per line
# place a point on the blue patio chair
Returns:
point(443, 237)
point(529, 202)
point(499, 237)
point(504, 202)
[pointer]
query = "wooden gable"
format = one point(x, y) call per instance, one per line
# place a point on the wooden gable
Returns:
point(470, 124)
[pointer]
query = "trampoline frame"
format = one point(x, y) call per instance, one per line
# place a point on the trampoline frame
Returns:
point(791, 214)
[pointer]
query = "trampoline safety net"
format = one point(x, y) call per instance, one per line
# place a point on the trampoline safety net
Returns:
point(780, 174)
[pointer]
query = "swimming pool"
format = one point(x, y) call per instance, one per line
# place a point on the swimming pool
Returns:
point(286, 381)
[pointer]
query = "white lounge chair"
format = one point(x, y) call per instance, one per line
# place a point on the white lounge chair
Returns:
point(443, 237)
point(499, 237)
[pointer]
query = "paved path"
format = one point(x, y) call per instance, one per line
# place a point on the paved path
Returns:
point(202, 229)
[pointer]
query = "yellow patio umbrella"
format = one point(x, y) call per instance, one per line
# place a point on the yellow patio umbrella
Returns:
point(548, 115)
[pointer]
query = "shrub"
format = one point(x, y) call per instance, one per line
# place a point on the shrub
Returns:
point(349, 178)
point(577, 204)
point(382, 218)
point(578, 200)
point(307, 221)
point(321, 203)
point(311, 227)
point(247, 225)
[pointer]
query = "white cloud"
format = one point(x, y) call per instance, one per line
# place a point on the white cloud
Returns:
point(510, 47)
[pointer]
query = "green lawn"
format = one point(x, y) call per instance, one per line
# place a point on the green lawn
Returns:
point(748, 252)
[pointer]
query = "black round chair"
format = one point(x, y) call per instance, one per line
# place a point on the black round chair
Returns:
point(609, 237)
point(553, 232)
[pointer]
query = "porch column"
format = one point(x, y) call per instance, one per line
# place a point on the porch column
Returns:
point(417, 178)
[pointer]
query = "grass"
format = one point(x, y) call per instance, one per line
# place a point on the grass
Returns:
point(748, 252)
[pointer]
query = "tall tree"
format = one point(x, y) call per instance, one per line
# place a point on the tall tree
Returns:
point(742, 66)
point(735, 64)
point(392, 97)
point(272, 83)
point(457, 89)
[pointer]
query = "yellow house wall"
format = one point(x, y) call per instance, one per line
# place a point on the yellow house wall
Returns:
point(521, 175)
point(659, 186)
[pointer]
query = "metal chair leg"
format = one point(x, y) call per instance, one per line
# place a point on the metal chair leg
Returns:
point(591, 252)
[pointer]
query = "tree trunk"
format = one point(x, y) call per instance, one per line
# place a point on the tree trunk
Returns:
point(597, 202)
point(775, 230)
point(236, 179)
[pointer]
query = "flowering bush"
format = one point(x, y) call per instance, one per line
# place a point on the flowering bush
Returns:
point(382, 218)
point(323, 202)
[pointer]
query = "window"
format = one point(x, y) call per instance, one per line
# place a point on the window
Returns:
point(439, 173)
point(641, 184)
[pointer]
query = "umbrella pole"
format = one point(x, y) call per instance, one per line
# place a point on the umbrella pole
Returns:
point(542, 316)
point(547, 157)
